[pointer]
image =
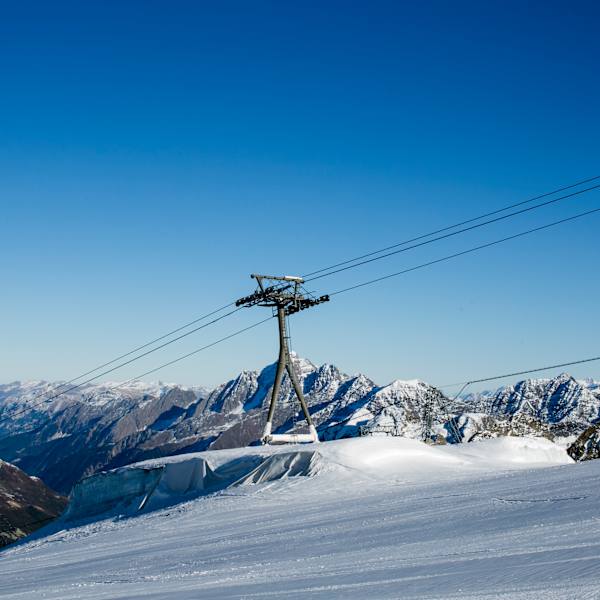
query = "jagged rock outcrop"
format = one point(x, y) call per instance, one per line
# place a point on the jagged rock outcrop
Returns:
point(470, 426)
point(396, 407)
point(26, 503)
point(587, 445)
point(557, 407)
point(558, 400)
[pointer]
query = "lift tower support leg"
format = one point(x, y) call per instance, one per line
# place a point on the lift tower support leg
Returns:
point(284, 294)
point(285, 363)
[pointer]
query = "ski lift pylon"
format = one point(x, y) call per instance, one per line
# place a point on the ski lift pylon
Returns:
point(286, 299)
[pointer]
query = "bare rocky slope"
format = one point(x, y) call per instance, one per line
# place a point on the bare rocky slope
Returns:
point(98, 427)
point(587, 445)
point(26, 504)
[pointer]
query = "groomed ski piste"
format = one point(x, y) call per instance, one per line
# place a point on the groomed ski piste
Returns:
point(373, 517)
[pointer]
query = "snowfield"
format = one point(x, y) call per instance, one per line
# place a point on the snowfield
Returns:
point(361, 518)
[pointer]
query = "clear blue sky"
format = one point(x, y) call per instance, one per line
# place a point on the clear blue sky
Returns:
point(154, 154)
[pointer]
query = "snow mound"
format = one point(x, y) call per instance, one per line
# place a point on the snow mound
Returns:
point(393, 455)
point(525, 451)
point(156, 483)
point(409, 460)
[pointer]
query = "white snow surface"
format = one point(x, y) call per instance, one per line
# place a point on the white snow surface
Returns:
point(375, 517)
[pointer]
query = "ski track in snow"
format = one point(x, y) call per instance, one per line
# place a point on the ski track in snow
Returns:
point(428, 533)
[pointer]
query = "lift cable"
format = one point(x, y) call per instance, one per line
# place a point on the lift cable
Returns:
point(462, 253)
point(154, 341)
point(220, 309)
point(445, 406)
point(162, 337)
point(447, 228)
point(465, 384)
point(149, 372)
point(146, 345)
point(193, 352)
point(453, 233)
point(350, 288)
point(107, 371)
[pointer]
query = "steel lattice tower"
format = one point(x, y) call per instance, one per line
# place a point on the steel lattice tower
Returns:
point(427, 423)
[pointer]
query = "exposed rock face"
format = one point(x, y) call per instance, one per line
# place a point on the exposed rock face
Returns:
point(26, 503)
point(477, 426)
point(98, 428)
point(558, 407)
point(559, 400)
point(396, 407)
point(587, 445)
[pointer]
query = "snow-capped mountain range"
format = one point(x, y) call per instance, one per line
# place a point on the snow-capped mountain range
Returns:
point(101, 426)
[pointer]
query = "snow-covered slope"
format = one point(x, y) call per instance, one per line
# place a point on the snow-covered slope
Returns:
point(376, 518)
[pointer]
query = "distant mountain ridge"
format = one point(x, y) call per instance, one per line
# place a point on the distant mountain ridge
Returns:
point(97, 427)
point(552, 400)
point(559, 407)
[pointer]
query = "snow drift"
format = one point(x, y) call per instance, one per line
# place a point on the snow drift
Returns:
point(159, 482)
